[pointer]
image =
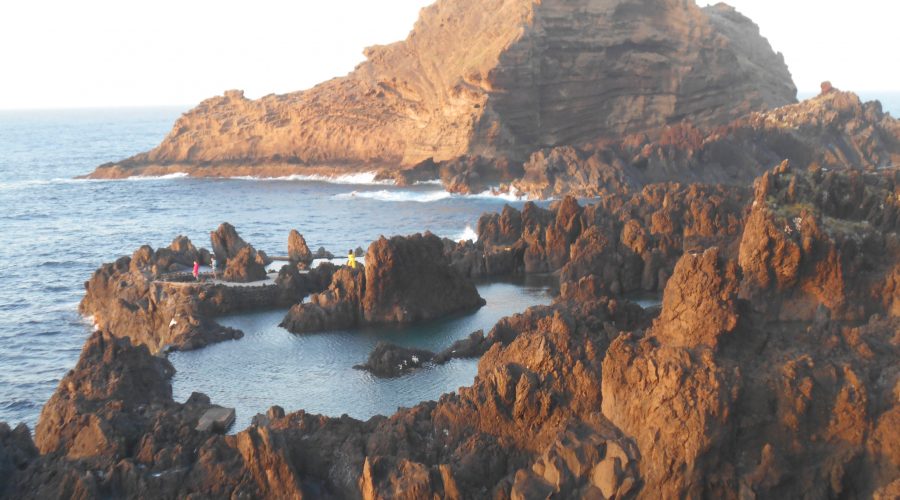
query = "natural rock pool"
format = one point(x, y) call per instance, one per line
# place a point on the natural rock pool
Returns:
point(314, 372)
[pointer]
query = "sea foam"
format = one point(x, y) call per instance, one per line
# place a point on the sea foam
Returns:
point(427, 196)
point(468, 234)
point(360, 179)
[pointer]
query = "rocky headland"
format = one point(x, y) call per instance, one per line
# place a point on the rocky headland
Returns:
point(834, 130)
point(533, 75)
point(771, 231)
point(769, 370)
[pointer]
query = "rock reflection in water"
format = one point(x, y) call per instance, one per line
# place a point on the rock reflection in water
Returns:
point(315, 372)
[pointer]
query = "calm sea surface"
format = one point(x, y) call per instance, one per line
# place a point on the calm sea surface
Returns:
point(55, 231)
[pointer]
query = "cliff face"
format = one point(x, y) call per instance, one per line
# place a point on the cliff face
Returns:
point(834, 130)
point(529, 75)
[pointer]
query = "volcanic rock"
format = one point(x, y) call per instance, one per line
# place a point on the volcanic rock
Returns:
point(389, 360)
point(246, 266)
point(321, 253)
point(17, 450)
point(172, 311)
point(835, 130)
point(297, 249)
point(405, 279)
point(536, 74)
point(226, 242)
point(734, 390)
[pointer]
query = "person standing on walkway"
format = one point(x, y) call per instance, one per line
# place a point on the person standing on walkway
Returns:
point(351, 259)
point(213, 257)
point(196, 272)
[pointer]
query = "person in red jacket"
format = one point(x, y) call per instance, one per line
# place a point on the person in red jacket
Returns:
point(196, 272)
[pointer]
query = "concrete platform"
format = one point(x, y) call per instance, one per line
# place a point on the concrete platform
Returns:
point(216, 420)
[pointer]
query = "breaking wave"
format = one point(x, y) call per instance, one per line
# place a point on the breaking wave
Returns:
point(174, 175)
point(361, 178)
point(426, 196)
point(389, 195)
point(468, 234)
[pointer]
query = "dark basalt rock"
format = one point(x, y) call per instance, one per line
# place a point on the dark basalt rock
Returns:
point(388, 360)
point(733, 389)
point(405, 279)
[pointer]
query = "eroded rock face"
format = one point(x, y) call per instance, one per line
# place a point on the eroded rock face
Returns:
point(835, 130)
point(405, 279)
point(822, 244)
point(246, 266)
point(464, 84)
point(164, 311)
point(730, 391)
point(630, 241)
point(298, 251)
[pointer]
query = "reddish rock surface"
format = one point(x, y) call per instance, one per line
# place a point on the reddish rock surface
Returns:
point(835, 130)
point(463, 84)
point(172, 311)
point(770, 371)
point(405, 279)
point(298, 251)
point(246, 266)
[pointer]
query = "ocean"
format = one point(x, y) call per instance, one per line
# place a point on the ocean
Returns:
point(57, 230)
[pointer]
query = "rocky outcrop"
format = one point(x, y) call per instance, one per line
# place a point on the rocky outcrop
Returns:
point(246, 266)
point(464, 175)
point(227, 244)
point(17, 450)
point(171, 311)
point(537, 74)
point(833, 131)
point(388, 360)
point(770, 370)
point(298, 251)
point(630, 241)
point(405, 279)
point(112, 430)
point(820, 243)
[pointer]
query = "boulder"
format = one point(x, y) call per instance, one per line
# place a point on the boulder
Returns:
point(226, 242)
point(297, 249)
point(246, 266)
point(388, 360)
point(405, 279)
point(321, 253)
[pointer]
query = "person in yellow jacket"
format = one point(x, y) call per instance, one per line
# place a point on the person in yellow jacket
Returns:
point(351, 259)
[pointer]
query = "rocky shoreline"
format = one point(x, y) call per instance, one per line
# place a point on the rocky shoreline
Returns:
point(770, 228)
point(464, 85)
point(774, 352)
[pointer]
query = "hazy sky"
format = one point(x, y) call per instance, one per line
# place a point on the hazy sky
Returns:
point(64, 53)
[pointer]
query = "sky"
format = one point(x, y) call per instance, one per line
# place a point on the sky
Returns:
point(92, 53)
